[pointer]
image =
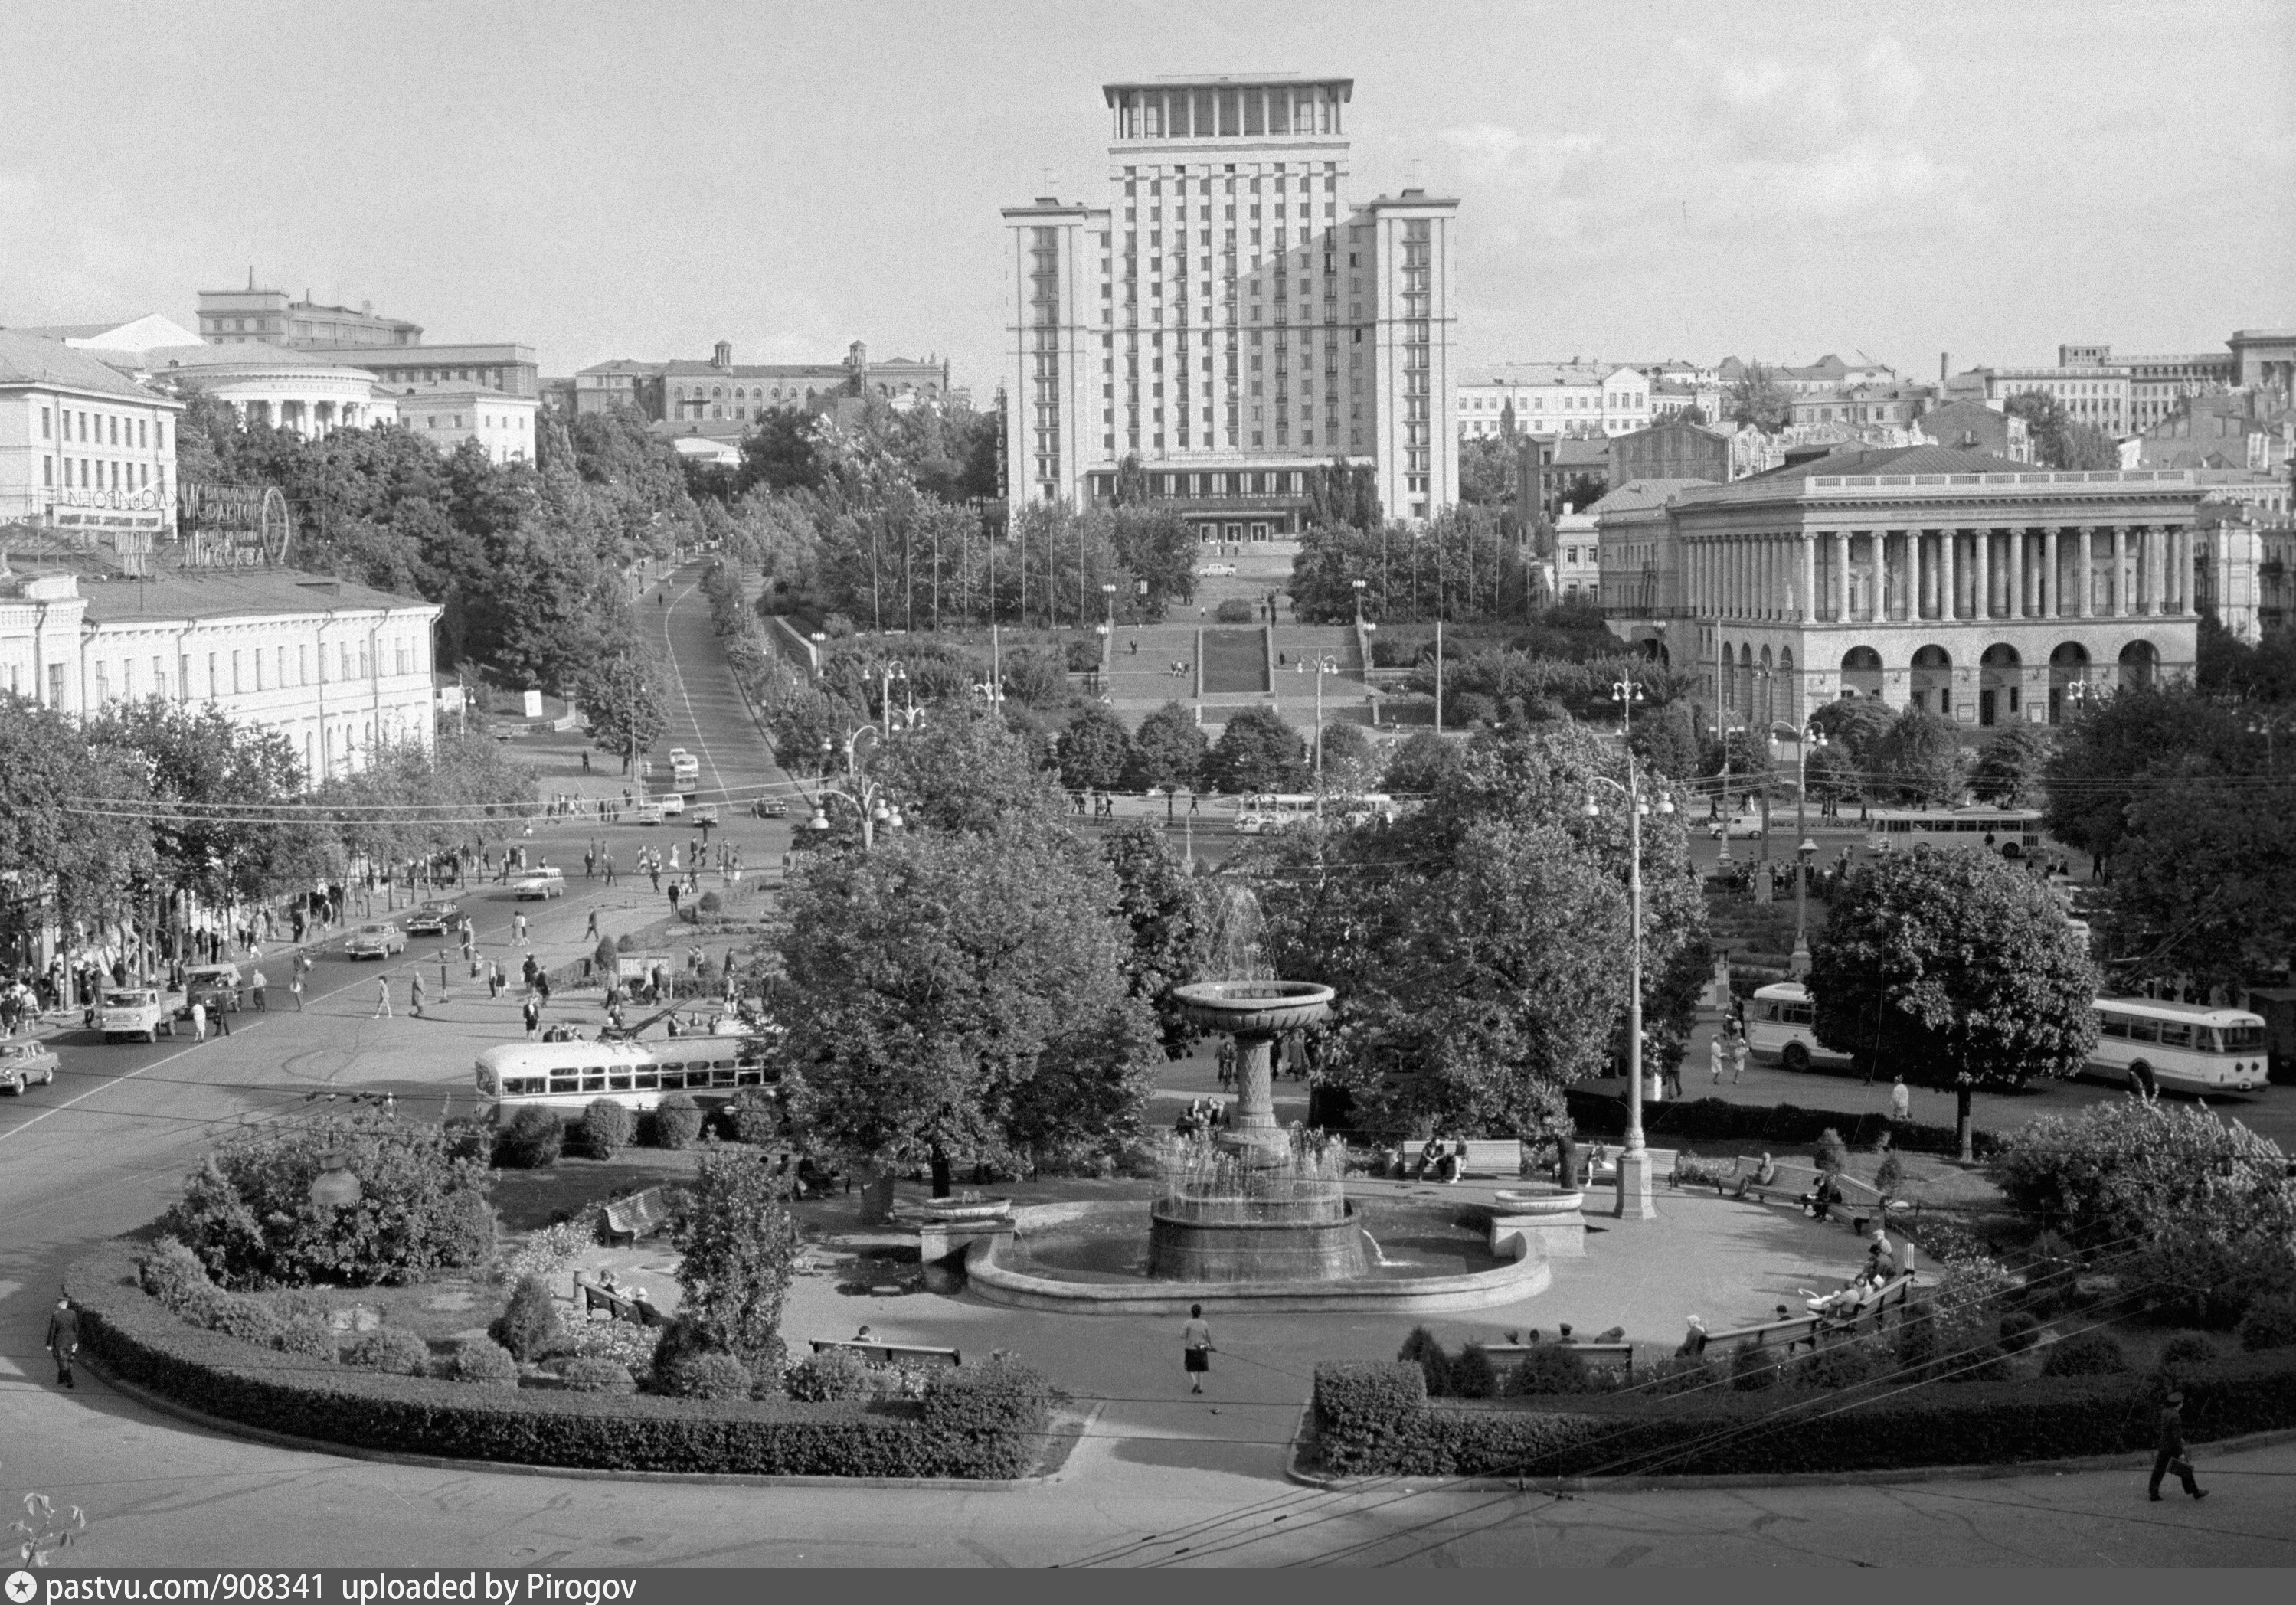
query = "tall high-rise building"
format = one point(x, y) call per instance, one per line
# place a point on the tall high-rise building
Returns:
point(1230, 318)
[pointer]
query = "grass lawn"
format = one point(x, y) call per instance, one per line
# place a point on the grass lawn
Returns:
point(527, 1200)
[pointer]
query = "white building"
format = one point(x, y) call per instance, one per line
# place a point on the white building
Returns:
point(2093, 395)
point(308, 392)
point(81, 447)
point(1556, 398)
point(336, 668)
point(501, 423)
point(1230, 315)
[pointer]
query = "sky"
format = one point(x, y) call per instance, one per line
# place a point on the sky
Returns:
point(1635, 180)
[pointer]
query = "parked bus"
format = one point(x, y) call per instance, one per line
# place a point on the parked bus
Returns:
point(2141, 1042)
point(2156, 1046)
point(566, 1076)
point(2013, 832)
point(1778, 1028)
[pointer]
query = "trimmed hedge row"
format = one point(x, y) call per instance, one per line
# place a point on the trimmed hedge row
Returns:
point(1376, 1419)
point(977, 1422)
point(1787, 1124)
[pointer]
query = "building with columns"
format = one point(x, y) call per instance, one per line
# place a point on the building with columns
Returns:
point(1225, 312)
point(309, 392)
point(1975, 587)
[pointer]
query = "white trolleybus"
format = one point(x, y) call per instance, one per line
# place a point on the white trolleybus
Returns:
point(2012, 832)
point(2142, 1042)
point(565, 1076)
point(1258, 815)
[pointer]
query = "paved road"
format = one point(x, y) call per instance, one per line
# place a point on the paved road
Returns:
point(105, 1150)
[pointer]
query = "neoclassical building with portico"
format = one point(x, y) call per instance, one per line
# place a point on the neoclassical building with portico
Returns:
point(1978, 588)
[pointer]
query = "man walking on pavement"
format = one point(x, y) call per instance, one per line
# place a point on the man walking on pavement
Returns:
point(295, 979)
point(382, 998)
point(63, 1338)
point(415, 993)
point(2170, 1453)
point(258, 983)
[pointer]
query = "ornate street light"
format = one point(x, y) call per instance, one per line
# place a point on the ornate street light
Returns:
point(1633, 1163)
point(334, 1187)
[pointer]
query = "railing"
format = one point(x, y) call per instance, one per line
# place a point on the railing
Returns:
point(2107, 476)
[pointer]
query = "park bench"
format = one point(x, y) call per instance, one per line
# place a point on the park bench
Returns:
point(1798, 1330)
point(1499, 1157)
point(1860, 1204)
point(889, 1354)
point(1620, 1355)
point(621, 1307)
point(643, 1213)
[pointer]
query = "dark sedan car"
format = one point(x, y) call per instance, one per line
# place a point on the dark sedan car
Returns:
point(434, 920)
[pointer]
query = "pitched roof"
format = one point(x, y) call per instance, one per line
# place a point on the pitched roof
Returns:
point(1638, 495)
point(62, 331)
point(253, 353)
point(25, 359)
point(230, 594)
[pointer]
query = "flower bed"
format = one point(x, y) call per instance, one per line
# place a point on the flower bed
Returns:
point(984, 1422)
point(1377, 1420)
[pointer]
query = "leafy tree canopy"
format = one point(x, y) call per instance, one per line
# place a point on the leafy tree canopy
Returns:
point(1257, 751)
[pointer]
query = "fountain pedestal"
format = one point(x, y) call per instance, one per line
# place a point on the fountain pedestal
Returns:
point(1251, 1127)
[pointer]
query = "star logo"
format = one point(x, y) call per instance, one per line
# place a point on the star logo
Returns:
point(21, 1587)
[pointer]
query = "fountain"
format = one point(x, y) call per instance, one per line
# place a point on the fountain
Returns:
point(1253, 1216)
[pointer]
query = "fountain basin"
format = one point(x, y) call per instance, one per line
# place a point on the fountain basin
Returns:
point(1520, 1203)
point(1254, 1008)
point(967, 1209)
point(1285, 1248)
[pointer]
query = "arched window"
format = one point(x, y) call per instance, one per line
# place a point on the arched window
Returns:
point(1933, 681)
point(1999, 675)
point(2069, 681)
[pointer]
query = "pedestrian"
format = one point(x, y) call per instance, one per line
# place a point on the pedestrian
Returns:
point(517, 926)
point(199, 1021)
point(63, 1340)
point(1716, 1055)
point(494, 978)
point(256, 982)
point(609, 869)
point(295, 983)
point(589, 864)
point(1196, 1347)
point(382, 998)
point(1901, 1100)
point(415, 994)
point(2169, 1454)
point(590, 931)
point(532, 1012)
point(673, 896)
point(1737, 1053)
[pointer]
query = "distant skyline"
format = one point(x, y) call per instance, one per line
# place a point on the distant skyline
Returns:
point(1772, 180)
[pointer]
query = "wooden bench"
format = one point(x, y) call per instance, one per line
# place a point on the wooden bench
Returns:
point(892, 1354)
point(1859, 1201)
point(621, 1307)
point(1499, 1157)
point(1620, 1355)
point(1796, 1329)
point(643, 1213)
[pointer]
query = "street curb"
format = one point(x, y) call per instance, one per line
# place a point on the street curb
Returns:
point(439, 1463)
point(1303, 1442)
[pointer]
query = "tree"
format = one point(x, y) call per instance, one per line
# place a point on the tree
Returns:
point(1258, 751)
point(1420, 764)
point(1752, 773)
point(740, 1246)
point(2104, 759)
point(2007, 772)
point(1157, 549)
point(1665, 739)
point(1095, 750)
point(779, 453)
point(1953, 968)
point(958, 1001)
point(1171, 927)
point(2203, 889)
point(1922, 756)
point(1131, 486)
point(1487, 469)
point(966, 774)
point(1167, 750)
point(1351, 765)
point(64, 858)
point(619, 694)
point(1756, 397)
point(2058, 441)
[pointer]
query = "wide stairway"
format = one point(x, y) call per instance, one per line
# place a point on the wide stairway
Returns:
point(1236, 662)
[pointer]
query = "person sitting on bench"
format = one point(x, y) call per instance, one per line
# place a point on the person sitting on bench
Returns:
point(1822, 1197)
point(1430, 1155)
point(1765, 1175)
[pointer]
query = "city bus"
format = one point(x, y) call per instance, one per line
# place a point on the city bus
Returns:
point(564, 1077)
point(1277, 811)
point(2142, 1042)
point(2156, 1046)
point(2013, 832)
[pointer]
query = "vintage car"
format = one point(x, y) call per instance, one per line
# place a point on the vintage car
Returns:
point(217, 986)
point(540, 884)
point(24, 1063)
point(376, 941)
point(770, 808)
point(143, 1011)
point(434, 920)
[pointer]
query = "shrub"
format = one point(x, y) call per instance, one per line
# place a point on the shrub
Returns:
point(601, 958)
point(529, 1322)
point(710, 1374)
point(1839, 1365)
point(248, 1320)
point(391, 1349)
point(1423, 1348)
point(248, 1214)
point(1752, 1368)
point(309, 1335)
point(1782, 1125)
point(998, 1436)
point(978, 1402)
point(751, 1116)
point(1890, 1176)
point(2019, 1331)
point(1550, 1368)
point(607, 1127)
point(172, 1273)
point(740, 1246)
point(623, 944)
point(2185, 1352)
point(835, 1373)
point(532, 1140)
point(677, 1120)
point(2085, 1355)
point(1234, 610)
point(593, 1373)
point(2269, 1323)
point(1473, 1374)
point(1979, 1363)
point(1916, 1340)
point(1672, 1374)
point(1832, 1154)
point(711, 903)
point(487, 1363)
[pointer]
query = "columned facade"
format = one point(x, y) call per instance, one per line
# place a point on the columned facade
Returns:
point(1992, 596)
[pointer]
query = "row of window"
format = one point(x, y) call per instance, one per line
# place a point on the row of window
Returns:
point(486, 376)
point(123, 476)
point(106, 428)
point(246, 669)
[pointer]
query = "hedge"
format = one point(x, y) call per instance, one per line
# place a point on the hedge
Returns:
point(979, 1422)
point(1786, 1125)
point(1377, 1420)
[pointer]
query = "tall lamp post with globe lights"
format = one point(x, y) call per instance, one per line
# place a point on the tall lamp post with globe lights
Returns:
point(1805, 849)
point(1635, 1161)
point(867, 795)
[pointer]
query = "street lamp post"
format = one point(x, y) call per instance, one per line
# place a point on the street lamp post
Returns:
point(867, 796)
point(1323, 665)
point(1635, 1162)
point(1805, 850)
